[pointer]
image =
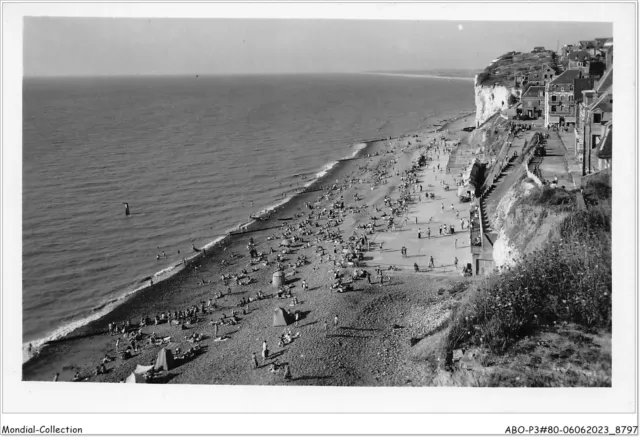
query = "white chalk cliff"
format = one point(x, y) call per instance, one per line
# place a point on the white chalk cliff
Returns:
point(491, 99)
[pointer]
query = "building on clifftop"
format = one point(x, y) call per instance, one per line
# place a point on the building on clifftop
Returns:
point(560, 103)
point(533, 100)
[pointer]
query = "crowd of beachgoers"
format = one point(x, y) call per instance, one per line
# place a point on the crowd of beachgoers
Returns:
point(337, 240)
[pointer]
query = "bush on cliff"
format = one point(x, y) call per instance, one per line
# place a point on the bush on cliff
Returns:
point(568, 280)
point(597, 189)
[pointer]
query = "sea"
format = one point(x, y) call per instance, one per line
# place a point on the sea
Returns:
point(194, 157)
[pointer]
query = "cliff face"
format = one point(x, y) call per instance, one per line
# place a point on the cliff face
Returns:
point(491, 99)
point(523, 227)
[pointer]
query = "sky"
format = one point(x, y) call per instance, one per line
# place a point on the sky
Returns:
point(56, 46)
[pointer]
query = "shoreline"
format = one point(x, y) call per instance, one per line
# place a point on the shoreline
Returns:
point(152, 299)
point(423, 76)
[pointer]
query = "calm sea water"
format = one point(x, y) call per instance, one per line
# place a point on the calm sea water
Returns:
point(192, 156)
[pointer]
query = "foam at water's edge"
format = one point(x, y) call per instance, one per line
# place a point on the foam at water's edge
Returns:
point(105, 308)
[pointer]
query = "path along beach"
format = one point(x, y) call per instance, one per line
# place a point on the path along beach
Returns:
point(221, 306)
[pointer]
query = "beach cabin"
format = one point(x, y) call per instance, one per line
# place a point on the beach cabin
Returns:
point(278, 279)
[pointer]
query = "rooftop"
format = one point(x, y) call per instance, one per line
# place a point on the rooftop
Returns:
point(533, 91)
point(567, 77)
point(606, 81)
point(579, 55)
point(588, 44)
point(604, 103)
point(604, 147)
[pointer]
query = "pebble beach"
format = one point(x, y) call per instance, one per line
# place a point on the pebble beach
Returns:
point(352, 330)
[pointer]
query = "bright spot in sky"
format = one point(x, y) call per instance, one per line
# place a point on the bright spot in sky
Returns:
point(460, 27)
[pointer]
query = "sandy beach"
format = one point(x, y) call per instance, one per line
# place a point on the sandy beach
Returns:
point(369, 334)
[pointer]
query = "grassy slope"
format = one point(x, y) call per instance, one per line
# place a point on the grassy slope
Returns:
point(547, 321)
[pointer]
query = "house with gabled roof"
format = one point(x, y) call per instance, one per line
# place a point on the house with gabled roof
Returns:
point(533, 102)
point(595, 112)
point(579, 60)
point(560, 104)
point(589, 46)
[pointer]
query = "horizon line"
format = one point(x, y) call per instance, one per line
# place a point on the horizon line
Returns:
point(118, 75)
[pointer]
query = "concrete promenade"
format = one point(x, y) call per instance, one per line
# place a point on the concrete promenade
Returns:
point(431, 214)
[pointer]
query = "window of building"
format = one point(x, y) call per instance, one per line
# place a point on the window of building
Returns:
point(545, 76)
point(554, 98)
point(562, 89)
point(597, 118)
point(553, 109)
point(540, 94)
point(571, 98)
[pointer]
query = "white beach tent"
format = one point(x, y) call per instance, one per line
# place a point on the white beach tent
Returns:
point(135, 378)
point(141, 370)
point(278, 279)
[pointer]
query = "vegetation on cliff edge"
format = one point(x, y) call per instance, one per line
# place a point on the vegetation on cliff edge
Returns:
point(559, 293)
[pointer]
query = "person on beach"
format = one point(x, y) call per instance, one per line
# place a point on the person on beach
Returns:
point(419, 233)
point(305, 286)
point(455, 261)
point(335, 321)
point(56, 377)
point(297, 318)
point(326, 328)
point(429, 233)
point(117, 344)
point(431, 263)
point(415, 267)
point(287, 372)
point(440, 230)
point(265, 351)
point(255, 360)
point(442, 207)
point(416, 220)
